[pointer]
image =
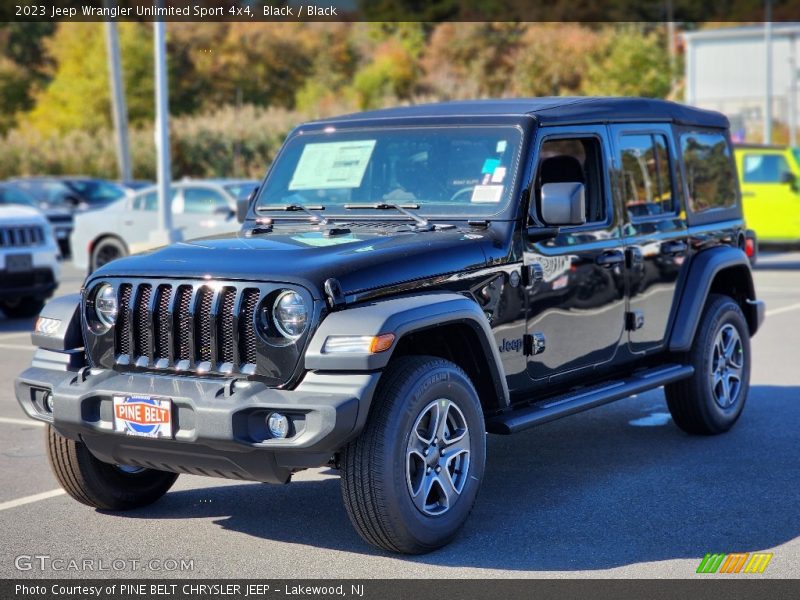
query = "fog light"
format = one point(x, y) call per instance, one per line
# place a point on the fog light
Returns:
point(48, 401)
point(278, 425)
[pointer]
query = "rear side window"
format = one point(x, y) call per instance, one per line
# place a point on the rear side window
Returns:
point(645, 173)
point(765, 168)
point(710, 175)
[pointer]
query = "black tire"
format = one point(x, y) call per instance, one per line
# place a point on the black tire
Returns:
point(107, 250)
point(377, 468)
point(22, 308)
point(698, 404)
point(101, 485)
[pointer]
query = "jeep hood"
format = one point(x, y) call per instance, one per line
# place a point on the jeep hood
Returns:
point(359, 260)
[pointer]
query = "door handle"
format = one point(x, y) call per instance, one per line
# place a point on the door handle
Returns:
point(748, 194)
point(678, 247)
point(127, 222)
point(610, 258)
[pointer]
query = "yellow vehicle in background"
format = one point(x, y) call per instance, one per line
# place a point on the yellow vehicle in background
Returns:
point(770, 181)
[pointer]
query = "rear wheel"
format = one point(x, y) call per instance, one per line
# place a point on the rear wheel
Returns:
point(711, 400)
point(107, 250)
point(410, 479)
point(101, 485)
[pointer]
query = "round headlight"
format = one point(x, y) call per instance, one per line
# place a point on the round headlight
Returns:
point(105, 305)
point(290, 314)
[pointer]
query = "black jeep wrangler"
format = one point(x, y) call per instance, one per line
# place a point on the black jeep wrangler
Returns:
point(405, 281)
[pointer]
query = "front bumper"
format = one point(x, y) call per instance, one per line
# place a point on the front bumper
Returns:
point(219, 424)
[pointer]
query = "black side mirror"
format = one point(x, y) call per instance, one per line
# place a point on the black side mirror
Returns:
point(224, 210)
point(243, 205)
point(789, 177)
point(563, 204)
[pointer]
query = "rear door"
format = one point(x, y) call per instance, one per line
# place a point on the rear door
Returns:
point(770, 201)
point(656, 237)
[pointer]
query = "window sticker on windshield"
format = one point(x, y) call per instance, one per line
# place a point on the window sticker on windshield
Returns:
point(501, 146)
point(332, 165)
point(487, 193)
point(498, 175)
point(489, 165)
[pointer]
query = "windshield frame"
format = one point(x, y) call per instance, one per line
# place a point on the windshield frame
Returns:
point(506, 210)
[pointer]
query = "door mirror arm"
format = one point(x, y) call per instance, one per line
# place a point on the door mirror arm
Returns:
point(540, 234)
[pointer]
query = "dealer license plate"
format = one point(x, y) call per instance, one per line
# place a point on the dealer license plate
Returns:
point(143, 416)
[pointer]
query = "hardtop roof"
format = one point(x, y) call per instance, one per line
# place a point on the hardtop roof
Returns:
point(551, 111)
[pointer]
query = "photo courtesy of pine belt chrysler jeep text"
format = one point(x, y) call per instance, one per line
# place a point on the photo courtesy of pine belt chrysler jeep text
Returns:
point(405, 281)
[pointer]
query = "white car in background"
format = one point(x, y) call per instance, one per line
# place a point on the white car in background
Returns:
point(29, 267)
point(199, 208)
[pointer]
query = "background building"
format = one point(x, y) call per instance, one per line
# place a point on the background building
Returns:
point(726, 70)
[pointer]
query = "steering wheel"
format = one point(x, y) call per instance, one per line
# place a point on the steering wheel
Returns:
point(461, 192)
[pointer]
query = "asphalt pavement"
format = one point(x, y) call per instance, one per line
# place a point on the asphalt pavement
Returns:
point(614, 492)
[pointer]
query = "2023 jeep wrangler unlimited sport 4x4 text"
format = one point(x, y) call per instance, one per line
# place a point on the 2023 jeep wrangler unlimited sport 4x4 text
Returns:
point(405, 281)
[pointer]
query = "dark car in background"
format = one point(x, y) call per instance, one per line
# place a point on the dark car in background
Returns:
point(61, 197)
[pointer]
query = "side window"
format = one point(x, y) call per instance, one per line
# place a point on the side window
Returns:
point(765, 168)
point(710, 177)
point(647, 189)
point(197, 200)
point(145, 201)
point(578, 160)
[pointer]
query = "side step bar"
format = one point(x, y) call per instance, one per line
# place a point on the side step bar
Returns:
point(586, 398)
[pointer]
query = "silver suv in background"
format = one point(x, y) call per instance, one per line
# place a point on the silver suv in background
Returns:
point(29, 267)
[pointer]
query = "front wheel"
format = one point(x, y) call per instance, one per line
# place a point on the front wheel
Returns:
point(105, 251)
point(409, 481)
point(101, 485)
point(711, 400)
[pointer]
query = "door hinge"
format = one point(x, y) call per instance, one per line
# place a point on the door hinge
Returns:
point(533, 343)
point(634, 320)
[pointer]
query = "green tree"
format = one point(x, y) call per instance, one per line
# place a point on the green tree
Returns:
point(633, 64)
point(21, 67)
point(78, 95)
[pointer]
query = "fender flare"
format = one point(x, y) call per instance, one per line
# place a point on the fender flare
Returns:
point(705, 266)
point(67, 336)
point(401, 316)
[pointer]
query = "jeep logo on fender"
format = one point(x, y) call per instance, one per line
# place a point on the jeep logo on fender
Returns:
point(514, 345)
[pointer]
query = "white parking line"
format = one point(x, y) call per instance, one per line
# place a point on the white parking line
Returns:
point(783, 309)
point(8, 421)
point(30, 499)
point(4, 336)
point(17, 346)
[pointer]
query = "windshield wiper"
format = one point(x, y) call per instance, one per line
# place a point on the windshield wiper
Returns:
point(422, 222)
point(309, 210)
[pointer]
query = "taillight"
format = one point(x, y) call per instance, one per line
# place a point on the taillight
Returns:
point(750, 247)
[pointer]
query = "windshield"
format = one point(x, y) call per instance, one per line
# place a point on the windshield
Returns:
point(796, 152)
point(97, 192)
point(11, 195)
point(445, 171)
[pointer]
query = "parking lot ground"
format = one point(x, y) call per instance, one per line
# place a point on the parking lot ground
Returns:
point(615, 492)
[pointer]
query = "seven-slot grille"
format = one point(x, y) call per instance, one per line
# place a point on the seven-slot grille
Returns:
point(187, 326)
point(24, 235)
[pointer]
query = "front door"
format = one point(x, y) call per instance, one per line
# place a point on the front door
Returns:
point(576, 301)
point(656, 239)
